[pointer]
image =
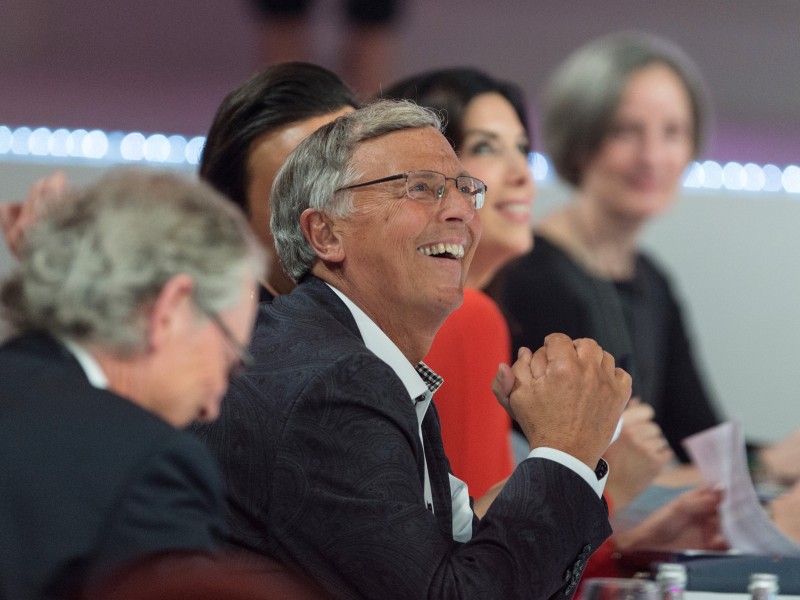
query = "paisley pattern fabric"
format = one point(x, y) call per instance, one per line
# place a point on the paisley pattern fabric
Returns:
point(320, 450)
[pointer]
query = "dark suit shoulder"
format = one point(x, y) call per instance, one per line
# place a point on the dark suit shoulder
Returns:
point(91, 469)
point(307, 349)
point(171, 501)
point(307, 338)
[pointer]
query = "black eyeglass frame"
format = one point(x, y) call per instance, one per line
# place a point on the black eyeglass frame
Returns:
point(439, 195)
point(245, 358)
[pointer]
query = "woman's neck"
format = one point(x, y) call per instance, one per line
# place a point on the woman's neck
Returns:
point(481, 272)
point(603, 243)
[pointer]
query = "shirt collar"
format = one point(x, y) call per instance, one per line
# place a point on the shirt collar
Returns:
point(431, 378)
point(418, 381)
point(94, 373)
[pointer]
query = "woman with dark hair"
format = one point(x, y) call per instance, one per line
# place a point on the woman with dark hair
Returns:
point(256, 127)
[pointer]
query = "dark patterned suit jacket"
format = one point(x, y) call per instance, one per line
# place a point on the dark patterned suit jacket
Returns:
point(88, 480)
point(320, 450)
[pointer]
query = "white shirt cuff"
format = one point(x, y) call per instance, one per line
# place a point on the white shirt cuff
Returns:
point(579, 467)
point(462, 513)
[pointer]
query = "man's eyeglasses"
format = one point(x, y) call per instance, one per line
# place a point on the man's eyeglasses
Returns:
point(244, 359)
point(430, 186)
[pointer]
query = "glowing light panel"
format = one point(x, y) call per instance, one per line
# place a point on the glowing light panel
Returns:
point(43, 143)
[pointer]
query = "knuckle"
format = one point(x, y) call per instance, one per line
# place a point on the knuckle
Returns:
point(563, 367)
point(556, 336)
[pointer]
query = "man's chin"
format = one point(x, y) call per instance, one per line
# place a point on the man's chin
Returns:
point(451, 298)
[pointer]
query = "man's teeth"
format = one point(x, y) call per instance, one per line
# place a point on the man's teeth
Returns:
point(456, 250)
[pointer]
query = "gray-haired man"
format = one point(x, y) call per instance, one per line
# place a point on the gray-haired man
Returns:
point(330, 444)
point(131, 306)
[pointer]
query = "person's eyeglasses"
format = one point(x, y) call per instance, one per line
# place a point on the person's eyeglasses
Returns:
point(244, 359)
point(430, 186)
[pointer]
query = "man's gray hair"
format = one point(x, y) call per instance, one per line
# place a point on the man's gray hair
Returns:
point(583, 95)
point(321, 165)
point(90, 269)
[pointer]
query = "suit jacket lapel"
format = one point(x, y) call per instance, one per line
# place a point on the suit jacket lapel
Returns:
point(438, 465)
point(438, 471)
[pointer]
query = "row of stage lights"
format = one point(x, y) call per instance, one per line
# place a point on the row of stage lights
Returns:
point(96, 145)
point(177, 150)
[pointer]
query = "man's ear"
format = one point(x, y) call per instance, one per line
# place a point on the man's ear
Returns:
point(319, 230)
point(169, 310)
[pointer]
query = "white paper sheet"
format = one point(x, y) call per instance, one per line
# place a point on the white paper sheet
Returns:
point(720, 455)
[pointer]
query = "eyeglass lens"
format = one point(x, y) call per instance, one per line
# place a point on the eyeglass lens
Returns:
point(430, 185)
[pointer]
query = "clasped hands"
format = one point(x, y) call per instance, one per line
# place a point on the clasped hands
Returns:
point(568, 395)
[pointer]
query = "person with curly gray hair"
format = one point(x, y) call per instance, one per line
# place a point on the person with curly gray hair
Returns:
point(130, 310)
point(330, 444)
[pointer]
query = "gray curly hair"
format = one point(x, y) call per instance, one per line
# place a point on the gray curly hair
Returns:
point(90, 268)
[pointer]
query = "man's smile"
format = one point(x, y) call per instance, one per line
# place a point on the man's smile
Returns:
point(442, 250)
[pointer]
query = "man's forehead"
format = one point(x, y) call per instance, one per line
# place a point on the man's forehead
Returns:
point(423, 148)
